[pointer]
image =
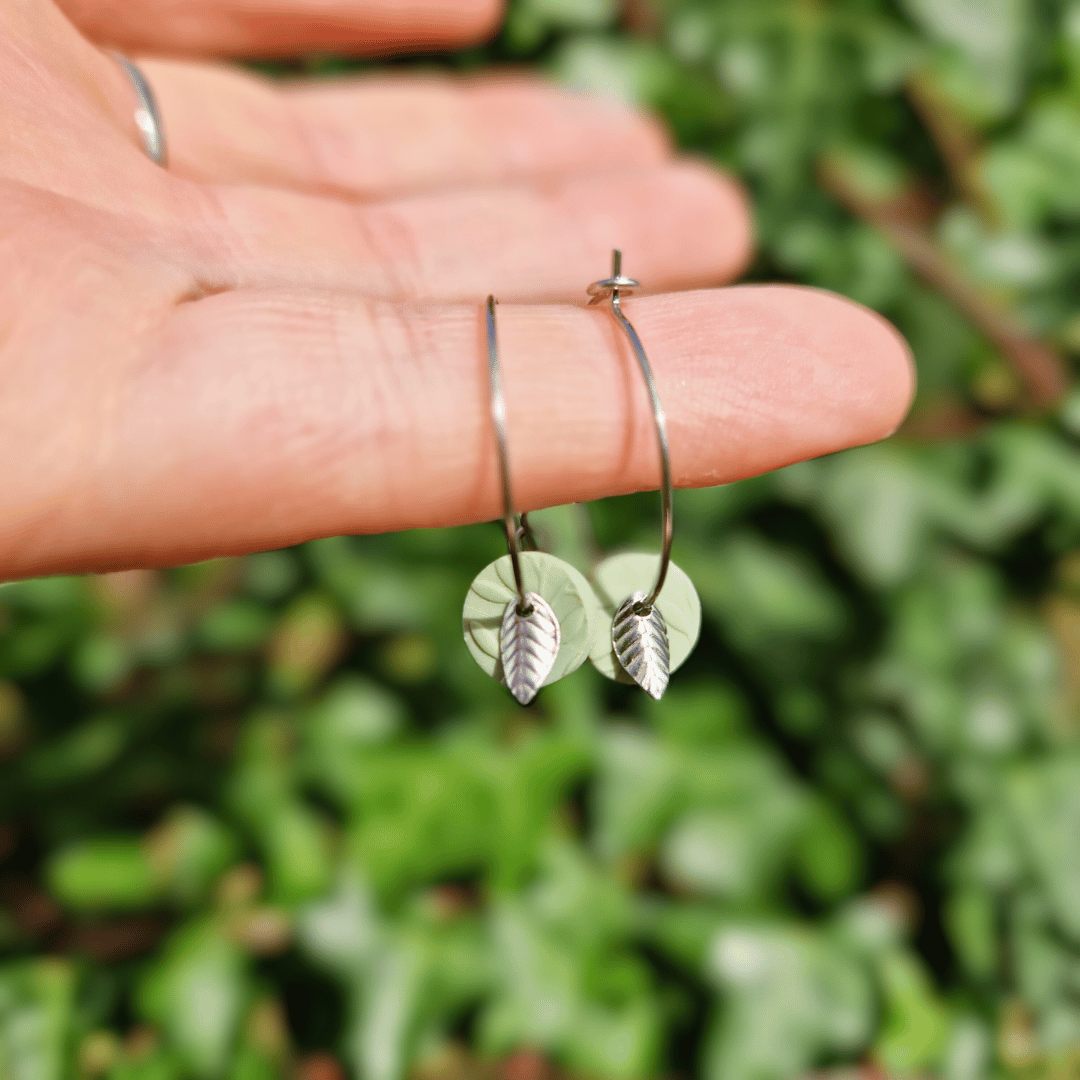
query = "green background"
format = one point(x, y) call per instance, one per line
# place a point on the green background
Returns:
point(266, 818)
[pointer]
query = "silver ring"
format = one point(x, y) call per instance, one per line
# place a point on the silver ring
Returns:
point(147, 117)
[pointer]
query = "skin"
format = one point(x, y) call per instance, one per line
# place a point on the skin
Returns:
point(281, 337)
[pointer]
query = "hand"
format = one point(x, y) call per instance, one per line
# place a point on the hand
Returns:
point(281, 337)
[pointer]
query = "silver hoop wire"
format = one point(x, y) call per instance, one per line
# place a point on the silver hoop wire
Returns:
point(614, 287)
point(147, 116)
point(515, 531)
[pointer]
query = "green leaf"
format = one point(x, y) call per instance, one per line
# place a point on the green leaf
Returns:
point(699, 714)
point(1044, 800)
point(354, 715)
point(761, 592)
point(354, 712)
point(196, 992)
point(157, 1065)
point(829, 856)
point(573, 14)
point(613, 68)
point(105, 873)
point(190, 849)
point(342, 930)
point(379, 1039)
point(790, 996)
point(644, 784)
point(237, 625)
point(81, 752)
point(270, 575)
point(297, 847)
point(304, 645)
point(916, 1024)
point(422, 815)
point(1041, 962)
point(544, 996)
point(527, 789)
point(37, 1001)
point(102, 661)
point(638, 790)
point(989, 37)
point(970, 918)
point(716, 853)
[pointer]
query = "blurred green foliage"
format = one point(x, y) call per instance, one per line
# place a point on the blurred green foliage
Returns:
point(265, 815)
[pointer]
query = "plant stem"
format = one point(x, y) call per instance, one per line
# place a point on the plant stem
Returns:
point(1040, 368)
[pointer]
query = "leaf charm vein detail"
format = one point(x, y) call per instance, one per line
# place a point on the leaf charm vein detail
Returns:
point(528, 646)
point(641, 644)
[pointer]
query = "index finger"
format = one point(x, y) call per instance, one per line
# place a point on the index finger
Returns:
point(261, 418)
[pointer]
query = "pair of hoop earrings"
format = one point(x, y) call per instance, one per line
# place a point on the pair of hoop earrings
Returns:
point(531, 618)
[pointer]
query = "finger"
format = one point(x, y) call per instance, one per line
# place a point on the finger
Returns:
point(281, 27)
point(376, 137)
point(258, 419)
point(680, 225)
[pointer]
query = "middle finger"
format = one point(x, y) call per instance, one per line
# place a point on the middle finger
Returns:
point(682, 225)
point(384, 136)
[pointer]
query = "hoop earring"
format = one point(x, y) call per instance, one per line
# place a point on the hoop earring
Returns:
point(639, 629)
point(516, 634)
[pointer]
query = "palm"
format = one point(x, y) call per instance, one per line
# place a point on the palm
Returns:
point(280, 337)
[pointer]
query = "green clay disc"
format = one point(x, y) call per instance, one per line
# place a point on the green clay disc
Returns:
point(563, 587)
point(619, 576)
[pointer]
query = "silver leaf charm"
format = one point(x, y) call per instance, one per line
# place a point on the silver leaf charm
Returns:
point(641, 644)
point(528, 645)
